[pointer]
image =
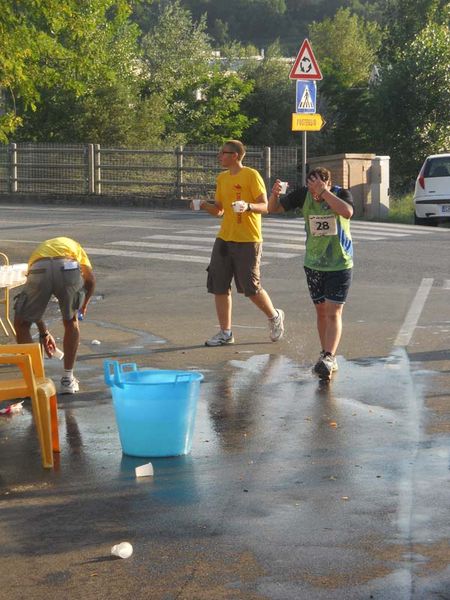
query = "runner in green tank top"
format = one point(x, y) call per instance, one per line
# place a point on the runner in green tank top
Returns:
point(327, 211)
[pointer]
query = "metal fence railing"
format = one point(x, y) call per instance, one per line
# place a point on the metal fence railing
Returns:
point(181, 172)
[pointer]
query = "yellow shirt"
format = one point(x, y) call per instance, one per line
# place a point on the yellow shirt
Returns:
point(246, 185)
point(60, 247)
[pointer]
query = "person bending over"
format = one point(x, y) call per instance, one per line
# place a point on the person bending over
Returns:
point(61, 267)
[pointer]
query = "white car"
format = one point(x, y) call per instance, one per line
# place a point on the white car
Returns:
point(432, 192)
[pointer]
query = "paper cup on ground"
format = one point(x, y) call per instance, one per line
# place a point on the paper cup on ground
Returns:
point(144, 470)
point(196, 203)
point(122, 550)
point(284, 186)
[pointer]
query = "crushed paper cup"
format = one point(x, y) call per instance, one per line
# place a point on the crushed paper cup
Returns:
point(96, 342)
point(122, 550)
point(12, 409)
point(144, 470)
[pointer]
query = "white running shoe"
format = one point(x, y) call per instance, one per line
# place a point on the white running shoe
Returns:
point(319, 360)
point(276, 326)
point(69, 386)
point(326, 366)
point(220, 339)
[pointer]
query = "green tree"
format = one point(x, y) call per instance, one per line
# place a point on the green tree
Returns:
point(176, 51)
point(217, 114)
point(272, 101)
point(91, 86)
point(413, 102)
point(248, 21)
point(203, 103)
point(346, 49)
point(25, 48)
point(404, 19)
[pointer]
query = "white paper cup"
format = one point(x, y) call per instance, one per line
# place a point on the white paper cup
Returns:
point(59, 354)
point(144, 470)
point(196, 203)
point(237, 206)
point(284, 185)
point(122, 550)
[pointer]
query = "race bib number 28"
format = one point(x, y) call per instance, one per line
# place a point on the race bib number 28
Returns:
point(322, 225)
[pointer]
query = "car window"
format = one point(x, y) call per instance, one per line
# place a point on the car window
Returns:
point(438, 167)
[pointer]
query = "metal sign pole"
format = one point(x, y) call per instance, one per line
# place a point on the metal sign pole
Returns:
point(305, 71)
point(303, 158)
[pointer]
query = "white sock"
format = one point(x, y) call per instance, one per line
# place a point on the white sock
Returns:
point(68, 373)
point(276, 315)
point(227, 332)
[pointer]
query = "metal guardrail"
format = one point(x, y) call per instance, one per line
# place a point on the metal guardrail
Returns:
point(180, 172)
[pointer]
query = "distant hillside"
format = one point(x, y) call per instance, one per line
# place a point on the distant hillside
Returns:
point(261, 22)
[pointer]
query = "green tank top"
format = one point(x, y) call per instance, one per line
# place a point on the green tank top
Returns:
point(329, 244)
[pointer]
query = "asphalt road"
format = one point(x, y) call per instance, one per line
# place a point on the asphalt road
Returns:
point(292, 490)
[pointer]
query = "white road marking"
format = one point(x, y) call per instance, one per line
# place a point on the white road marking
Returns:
point(409, 324)
point(126, 226)
point(372, 225)
point(191, 248)
point(161, 245)
point(130, 254)
point(22, 241)
point(151, 255)
point(183, 238)
point(355, 232)
point(404, 230)
point(279, 229)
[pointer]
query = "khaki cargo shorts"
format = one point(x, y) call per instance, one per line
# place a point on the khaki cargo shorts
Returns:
point(240, 260)
point(58, 276)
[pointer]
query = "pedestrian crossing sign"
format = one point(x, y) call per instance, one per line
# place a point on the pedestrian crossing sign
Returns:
point(305, 97)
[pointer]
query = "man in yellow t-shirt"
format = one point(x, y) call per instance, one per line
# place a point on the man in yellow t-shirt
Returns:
point(240, 199)
point(60, 267)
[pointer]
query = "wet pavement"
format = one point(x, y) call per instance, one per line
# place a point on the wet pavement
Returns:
point(293, 489)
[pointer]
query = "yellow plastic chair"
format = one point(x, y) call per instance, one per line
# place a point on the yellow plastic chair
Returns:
point(41, 390)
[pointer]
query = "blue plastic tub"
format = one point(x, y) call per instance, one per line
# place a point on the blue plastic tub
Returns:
point(155, 410)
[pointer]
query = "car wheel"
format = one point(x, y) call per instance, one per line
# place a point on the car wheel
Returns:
point(420, 221)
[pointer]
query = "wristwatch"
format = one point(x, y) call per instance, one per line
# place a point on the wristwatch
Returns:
point(249, 207)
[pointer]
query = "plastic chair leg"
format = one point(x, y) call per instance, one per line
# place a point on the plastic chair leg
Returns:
point(41, 415)
point(4, 328)
point(54, 421)
point(46, 423)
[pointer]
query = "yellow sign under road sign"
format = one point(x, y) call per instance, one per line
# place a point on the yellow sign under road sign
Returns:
point(307, 122)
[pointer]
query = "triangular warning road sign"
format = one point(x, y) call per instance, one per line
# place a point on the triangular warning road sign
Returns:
point(305, 65)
